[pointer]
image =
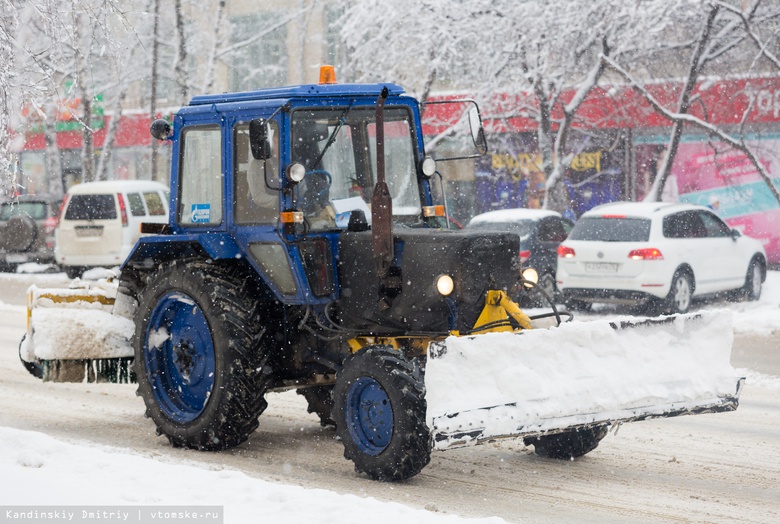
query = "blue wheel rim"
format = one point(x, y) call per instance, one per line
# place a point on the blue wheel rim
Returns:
point(369, 416)
point(179, 357)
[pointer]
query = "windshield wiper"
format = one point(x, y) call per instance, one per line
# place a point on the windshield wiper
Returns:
point(332, 138)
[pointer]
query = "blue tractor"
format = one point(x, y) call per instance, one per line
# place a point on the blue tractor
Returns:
point(303, 251)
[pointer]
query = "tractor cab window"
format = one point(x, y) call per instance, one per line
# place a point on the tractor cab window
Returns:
point(200, 176)
point(255, 194)
point(338, 149)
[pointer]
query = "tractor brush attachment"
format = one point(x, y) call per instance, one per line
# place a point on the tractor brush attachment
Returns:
point(72, 335)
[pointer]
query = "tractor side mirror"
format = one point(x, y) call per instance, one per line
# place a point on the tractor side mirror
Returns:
point(477, 131)
point(161, 129)
point(258, 139)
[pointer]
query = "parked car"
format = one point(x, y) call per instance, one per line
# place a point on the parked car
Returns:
point(100, 222)
point(27, 225)
point(540, 230)
point(657, 255)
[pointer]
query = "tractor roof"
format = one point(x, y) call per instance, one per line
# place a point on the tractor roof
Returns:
point(301, 91)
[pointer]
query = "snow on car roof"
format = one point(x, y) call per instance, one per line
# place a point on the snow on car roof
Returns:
point(510, 215)
point(637, 209)
point(111, 186)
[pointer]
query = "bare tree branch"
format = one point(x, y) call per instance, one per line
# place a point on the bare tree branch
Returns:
point(684, 118)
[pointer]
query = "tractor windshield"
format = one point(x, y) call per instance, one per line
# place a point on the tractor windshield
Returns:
point(338, 149)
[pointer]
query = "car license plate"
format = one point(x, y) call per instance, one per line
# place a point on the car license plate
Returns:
point(15, 259)
point(89, 231)
point(602, 268)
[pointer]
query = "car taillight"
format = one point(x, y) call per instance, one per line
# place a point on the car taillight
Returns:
point(50, 225)
point(565, 252)
point(648, 253)
point(525, 255)
point(122, 209)
point(61, 214)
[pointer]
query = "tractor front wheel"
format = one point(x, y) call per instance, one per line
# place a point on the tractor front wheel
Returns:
point(379, 409)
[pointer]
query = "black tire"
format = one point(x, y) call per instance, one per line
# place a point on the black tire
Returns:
point(379, 409)
point(73, 271)
point(569, 445)
point(680, 296)
point(21, 232)
point(320, 399)
point(206, 390)
point(754, 279)
point(8, 268)
point(34, 368)
point(543, 292)
point(572, 304)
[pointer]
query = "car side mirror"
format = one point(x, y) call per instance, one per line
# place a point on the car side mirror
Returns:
point(258, 139)
point(735, 234)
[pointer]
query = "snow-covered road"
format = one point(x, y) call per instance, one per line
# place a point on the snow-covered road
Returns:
point(707, 468)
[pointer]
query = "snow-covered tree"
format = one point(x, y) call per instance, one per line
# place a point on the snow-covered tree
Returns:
point(532, 50)
point(9, 23)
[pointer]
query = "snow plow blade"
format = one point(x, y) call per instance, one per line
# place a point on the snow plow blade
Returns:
point(72, 335)
point(579, 375)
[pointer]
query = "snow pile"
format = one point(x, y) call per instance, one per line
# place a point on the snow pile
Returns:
point(578, 373)
point(38, 470)
point(762, 317)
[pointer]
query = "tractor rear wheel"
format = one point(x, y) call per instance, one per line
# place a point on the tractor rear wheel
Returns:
point(569, 445)
point(379, 409)
point(320, 401)
point(200, 360)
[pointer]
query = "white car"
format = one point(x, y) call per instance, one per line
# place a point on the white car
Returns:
point(100, 222)
point(658, 254)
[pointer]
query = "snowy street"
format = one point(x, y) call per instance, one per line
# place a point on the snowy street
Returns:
point(91, 444)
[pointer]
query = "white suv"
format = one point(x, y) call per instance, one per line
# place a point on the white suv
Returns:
point(100, 222)
point(658, 254)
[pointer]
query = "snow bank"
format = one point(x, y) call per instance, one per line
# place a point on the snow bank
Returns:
point(38, 470)
point(578, 373)
point(761, 317)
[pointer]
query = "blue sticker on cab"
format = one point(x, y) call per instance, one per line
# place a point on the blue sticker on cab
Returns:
point(201, 213)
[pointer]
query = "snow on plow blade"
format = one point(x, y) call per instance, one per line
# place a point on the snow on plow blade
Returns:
point(579, 375)
point(72, 335)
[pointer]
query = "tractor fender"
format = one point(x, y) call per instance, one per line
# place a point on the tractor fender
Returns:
point(151, 251)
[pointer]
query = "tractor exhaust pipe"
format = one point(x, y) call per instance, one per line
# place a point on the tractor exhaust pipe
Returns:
point(381, 202)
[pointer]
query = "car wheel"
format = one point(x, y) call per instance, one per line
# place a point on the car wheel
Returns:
point(681, 294)
point(573, 304)
point(73, 271)
point(547, 284)
point(755, 277)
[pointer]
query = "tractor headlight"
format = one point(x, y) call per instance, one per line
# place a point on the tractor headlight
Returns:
point(428, 166)
point(296, 172)
point(444, 285)
point(530, 275)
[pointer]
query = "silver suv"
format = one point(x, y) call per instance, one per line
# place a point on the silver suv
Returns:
point(27, 224)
